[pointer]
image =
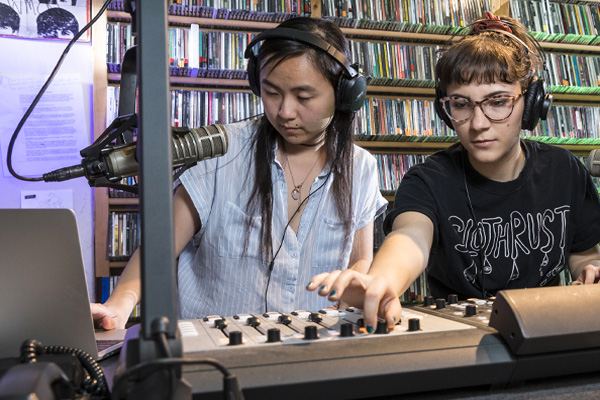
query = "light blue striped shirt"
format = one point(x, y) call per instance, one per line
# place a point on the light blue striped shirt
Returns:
point(216, 277)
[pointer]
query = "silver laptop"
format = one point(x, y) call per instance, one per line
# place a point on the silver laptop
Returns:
point(43, 291)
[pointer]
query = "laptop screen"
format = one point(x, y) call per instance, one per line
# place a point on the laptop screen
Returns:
point(43, 291)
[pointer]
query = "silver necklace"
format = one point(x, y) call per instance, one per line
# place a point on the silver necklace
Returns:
point(296, 190)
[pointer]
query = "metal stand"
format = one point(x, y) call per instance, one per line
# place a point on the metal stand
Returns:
point(157, 336)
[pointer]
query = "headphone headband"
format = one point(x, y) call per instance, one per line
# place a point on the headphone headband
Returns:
point(302, 37)
point(539, 53)
point(511, 35)
point(537, 99)
point(351, 86)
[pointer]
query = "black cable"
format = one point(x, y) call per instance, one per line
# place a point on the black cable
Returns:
point(231, 386)
point(477, 227)
point(41, 93)
point(94, 384)
point(161, 339)
point(272, 263)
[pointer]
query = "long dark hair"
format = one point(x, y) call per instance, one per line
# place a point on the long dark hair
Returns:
point(339, 138)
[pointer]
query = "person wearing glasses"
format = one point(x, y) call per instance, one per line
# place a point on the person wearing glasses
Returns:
point(494, 211)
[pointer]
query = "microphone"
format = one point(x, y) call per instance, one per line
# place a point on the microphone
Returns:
point(117, 162)
point(593, 162)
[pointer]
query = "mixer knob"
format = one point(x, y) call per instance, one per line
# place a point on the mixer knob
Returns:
point(315, 317)
point(470, 310)
point(428, 301)
point(381, 327)
point(414, 324)
point(310, 332)
point(440, 303)
point(273, 335)
point(235, 338)
point(346, 330)
point(452, 299)
point(285, 319)
point(221, 323)
point(253, 321)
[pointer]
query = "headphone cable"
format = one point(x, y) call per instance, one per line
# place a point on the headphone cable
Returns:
point(272, 263)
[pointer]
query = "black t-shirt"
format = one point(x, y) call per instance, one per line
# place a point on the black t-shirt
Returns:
point(521, 231)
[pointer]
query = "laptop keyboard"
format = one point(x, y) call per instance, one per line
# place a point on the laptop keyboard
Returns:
point(106, 343)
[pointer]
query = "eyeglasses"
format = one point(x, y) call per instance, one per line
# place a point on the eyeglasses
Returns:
point(495, 108)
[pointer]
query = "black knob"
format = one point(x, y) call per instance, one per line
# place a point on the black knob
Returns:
point(310, 332)
point(428, 301)
point(221, 323)
point(440, 303)
point(235, 338)
point(414, 324)
point(253, 321)
point(452, 299)
point(273, 335)
point(285, 319)
point(381, 327)
point(315, 317)
point(470, 310)
point(360, 322)
point(346, 330)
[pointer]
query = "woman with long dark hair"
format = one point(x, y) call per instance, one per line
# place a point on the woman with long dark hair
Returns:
point(292, 197)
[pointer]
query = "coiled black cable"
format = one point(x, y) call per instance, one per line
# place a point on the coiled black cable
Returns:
point(94, 383)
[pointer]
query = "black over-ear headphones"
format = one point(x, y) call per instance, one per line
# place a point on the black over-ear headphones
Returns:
point(537, 100)
point(351, 87)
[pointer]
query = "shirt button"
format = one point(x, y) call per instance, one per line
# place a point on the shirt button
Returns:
point(295, 255)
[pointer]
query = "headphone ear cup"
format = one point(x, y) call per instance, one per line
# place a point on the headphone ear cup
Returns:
point(253, 75)
point(534, 104)
point(350, 93)
point(439, 110)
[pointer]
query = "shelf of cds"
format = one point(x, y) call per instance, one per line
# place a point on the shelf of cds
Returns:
point(395, 42)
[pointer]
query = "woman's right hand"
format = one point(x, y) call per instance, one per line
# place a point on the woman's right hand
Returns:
point(108, 317)
point(372, 294)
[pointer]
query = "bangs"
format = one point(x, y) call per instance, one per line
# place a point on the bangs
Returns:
point(274, 51)
point(483, 62)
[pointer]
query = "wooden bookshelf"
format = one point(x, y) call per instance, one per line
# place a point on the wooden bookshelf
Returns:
point(378, 91)
point(424, 147)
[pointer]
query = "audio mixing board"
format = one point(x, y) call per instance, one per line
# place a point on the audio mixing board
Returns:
point(328, 354)
point(298, 327)
point(442, 344)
